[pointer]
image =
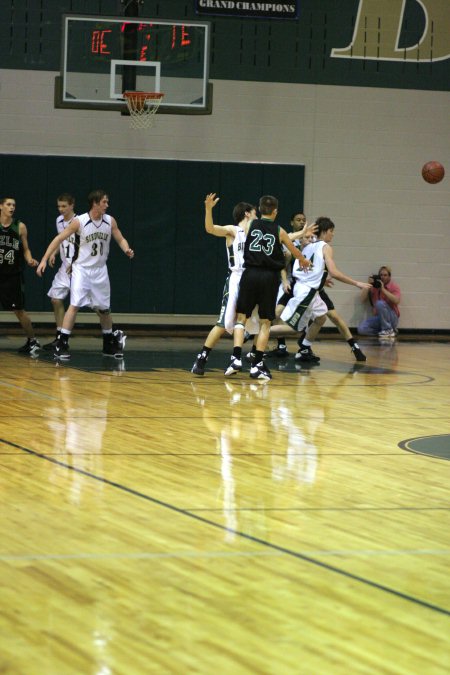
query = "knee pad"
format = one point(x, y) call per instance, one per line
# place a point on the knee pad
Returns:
point(239, 325)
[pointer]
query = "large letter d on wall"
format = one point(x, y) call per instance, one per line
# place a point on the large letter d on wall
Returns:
point(377, 32)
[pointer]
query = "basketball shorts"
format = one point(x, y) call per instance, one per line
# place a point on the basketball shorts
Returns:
point(259, 286)
point(283, 297)
point(327, 300)
point(227, 316)
point(60, 287)
point(12, 294)
point(305, 305)
point(90, 287)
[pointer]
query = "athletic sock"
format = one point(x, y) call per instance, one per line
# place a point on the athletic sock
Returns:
point(351, 342)
point(258, 357)
point(281, 342)
point(301, 338)
point(237, 352)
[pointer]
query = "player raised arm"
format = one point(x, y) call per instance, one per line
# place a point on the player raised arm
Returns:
point(55, 243)
point(217, 230)
point(336, 273)
point(120, 239)
point(304, 232)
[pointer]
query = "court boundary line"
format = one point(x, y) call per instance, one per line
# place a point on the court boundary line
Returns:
point(243, 535)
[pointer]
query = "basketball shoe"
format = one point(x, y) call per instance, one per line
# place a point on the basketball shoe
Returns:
point(62, 351)
point(279, 352)
point(234, 367)
point(199, 365)
point(260, 371)
point(306, 355)
point(120, 338)
point(358, 354)
point(113, 344)
point(30, 347)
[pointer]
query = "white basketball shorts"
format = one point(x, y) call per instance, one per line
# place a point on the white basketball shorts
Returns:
point(305, 305)
point(90, 287)
point(60, 287)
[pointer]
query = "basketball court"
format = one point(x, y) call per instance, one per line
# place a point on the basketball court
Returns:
point(159, 522)
point(155, 521)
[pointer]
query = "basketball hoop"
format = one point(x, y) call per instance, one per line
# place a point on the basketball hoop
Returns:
point(142, 106)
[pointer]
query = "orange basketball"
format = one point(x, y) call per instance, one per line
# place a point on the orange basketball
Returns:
point(433, 172)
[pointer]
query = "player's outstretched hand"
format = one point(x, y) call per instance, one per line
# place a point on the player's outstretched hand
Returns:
point(362, 285)
point(305, 264)
point(41, 268)
point(310, 229)
point(211, 200)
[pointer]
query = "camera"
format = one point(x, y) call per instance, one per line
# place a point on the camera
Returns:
point(376, 283)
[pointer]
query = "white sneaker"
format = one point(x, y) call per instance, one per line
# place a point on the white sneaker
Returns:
point(387, 334)
point(234, 367)
point(260, 372)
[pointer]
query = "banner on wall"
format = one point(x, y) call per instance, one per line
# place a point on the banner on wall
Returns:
point(249, 8)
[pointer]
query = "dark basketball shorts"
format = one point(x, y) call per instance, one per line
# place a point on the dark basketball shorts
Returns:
point(12, 291)
point(327, 300)
point(285, 297)
point(259, 286)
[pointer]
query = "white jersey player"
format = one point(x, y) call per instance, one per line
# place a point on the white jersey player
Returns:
point(60, 287)
point(243, 214)
point(89, 274)
point(306, 303)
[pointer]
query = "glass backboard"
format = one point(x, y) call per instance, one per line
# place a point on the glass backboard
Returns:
point(103, 57)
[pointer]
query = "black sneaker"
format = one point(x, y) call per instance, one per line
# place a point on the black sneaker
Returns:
point(306, 355)
point(112, 348)
point(120, 338)
point(199, 365)
point(250, 356)
point(62, 351)
point(359, 355)
point(260, 372)
point(30, 347)
point(279, 352)
point(50, 346)
point(234, 367)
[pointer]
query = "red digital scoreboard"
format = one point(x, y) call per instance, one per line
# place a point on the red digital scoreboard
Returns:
point(102, 41)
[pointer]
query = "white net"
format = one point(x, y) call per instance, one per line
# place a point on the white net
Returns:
point(142, 107)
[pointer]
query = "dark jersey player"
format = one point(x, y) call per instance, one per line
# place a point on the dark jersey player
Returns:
point(263, 260)
point(14, 250)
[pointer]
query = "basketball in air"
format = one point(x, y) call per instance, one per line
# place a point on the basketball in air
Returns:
point(433, 172)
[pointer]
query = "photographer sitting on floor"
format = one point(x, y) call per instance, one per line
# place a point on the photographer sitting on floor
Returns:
point(384, 296)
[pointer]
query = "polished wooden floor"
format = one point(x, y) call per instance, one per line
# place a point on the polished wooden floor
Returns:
point(155, 522)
